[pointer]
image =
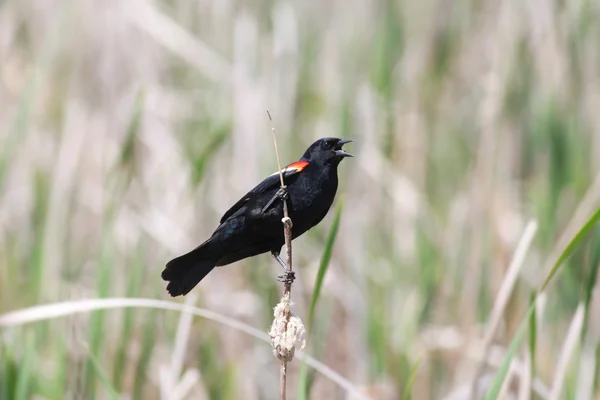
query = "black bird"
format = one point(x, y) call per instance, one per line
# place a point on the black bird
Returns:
point(253, 225)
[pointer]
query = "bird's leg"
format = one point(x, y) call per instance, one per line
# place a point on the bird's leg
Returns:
point(287, 276)
point(282, 194)
point(279, 260)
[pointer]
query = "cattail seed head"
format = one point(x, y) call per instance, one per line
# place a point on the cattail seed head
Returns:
point(286, 331)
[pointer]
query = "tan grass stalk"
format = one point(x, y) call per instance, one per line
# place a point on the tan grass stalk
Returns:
point(525, 379)
point(185, 385)
point(181, 341)
point(286, 329)
point(56, 310)
point(172, 36)
point(568, 349)
point(506, 385)
point(504, 295)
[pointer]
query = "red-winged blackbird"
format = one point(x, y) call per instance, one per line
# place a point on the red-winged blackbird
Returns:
point(253, 225)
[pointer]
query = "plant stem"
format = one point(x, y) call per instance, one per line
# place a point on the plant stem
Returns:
point(287, 286)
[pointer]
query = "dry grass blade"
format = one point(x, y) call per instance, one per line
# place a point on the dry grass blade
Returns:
point(276, 152)
point(509, 281)
point(503, 371)
point(525, 378)
point(518, 337)
point(101, 374)
point(171, 35)
point(181, 340)
point(56, 310)
point(185, 385)
point(587, 372)
point(567, 352)
point(506, 386)
point(504, 294)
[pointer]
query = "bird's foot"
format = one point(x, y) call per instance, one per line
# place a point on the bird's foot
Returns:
point(282, 193)
point(287, 277)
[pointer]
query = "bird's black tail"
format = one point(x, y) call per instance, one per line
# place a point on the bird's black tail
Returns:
point(186, 271)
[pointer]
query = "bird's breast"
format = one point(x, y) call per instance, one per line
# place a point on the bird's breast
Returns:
point(310, 199)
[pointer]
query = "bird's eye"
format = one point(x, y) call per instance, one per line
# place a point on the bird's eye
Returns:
point(327, 145)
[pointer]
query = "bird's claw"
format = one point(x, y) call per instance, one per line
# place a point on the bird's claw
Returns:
point(287, 277)
point(282, 193)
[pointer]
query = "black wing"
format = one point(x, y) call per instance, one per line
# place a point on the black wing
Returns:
point(290, 173)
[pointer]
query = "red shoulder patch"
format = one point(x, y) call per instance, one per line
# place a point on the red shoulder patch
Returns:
point(297, 166)
point(293, 167)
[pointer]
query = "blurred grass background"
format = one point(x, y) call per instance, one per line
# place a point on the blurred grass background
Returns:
point(129, 127)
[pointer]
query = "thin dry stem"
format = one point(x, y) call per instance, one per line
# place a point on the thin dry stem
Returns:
point(57, 310)
point(284, 353)
point(502, 299)
point(278, 162)
point(283, 380)
point(569, 348)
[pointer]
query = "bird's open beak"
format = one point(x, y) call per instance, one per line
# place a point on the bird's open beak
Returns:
point(338, 148)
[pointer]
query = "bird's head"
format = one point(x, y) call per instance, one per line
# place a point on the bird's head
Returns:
point(327, 150)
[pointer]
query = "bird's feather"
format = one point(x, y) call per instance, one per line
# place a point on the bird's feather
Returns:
point(290, 173)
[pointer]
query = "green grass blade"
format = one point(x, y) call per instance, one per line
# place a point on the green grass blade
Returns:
point(591, 222)
point(517, 339)
point(24, 379)
point(494, 390)
point(97, 319)
point(324, 265)
point(102, 375)
point(143, 363)
point(591, 282)
point(128, 150)
point(129, 317)
point(201, 160)
point(411, 380)
point(6, 373)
